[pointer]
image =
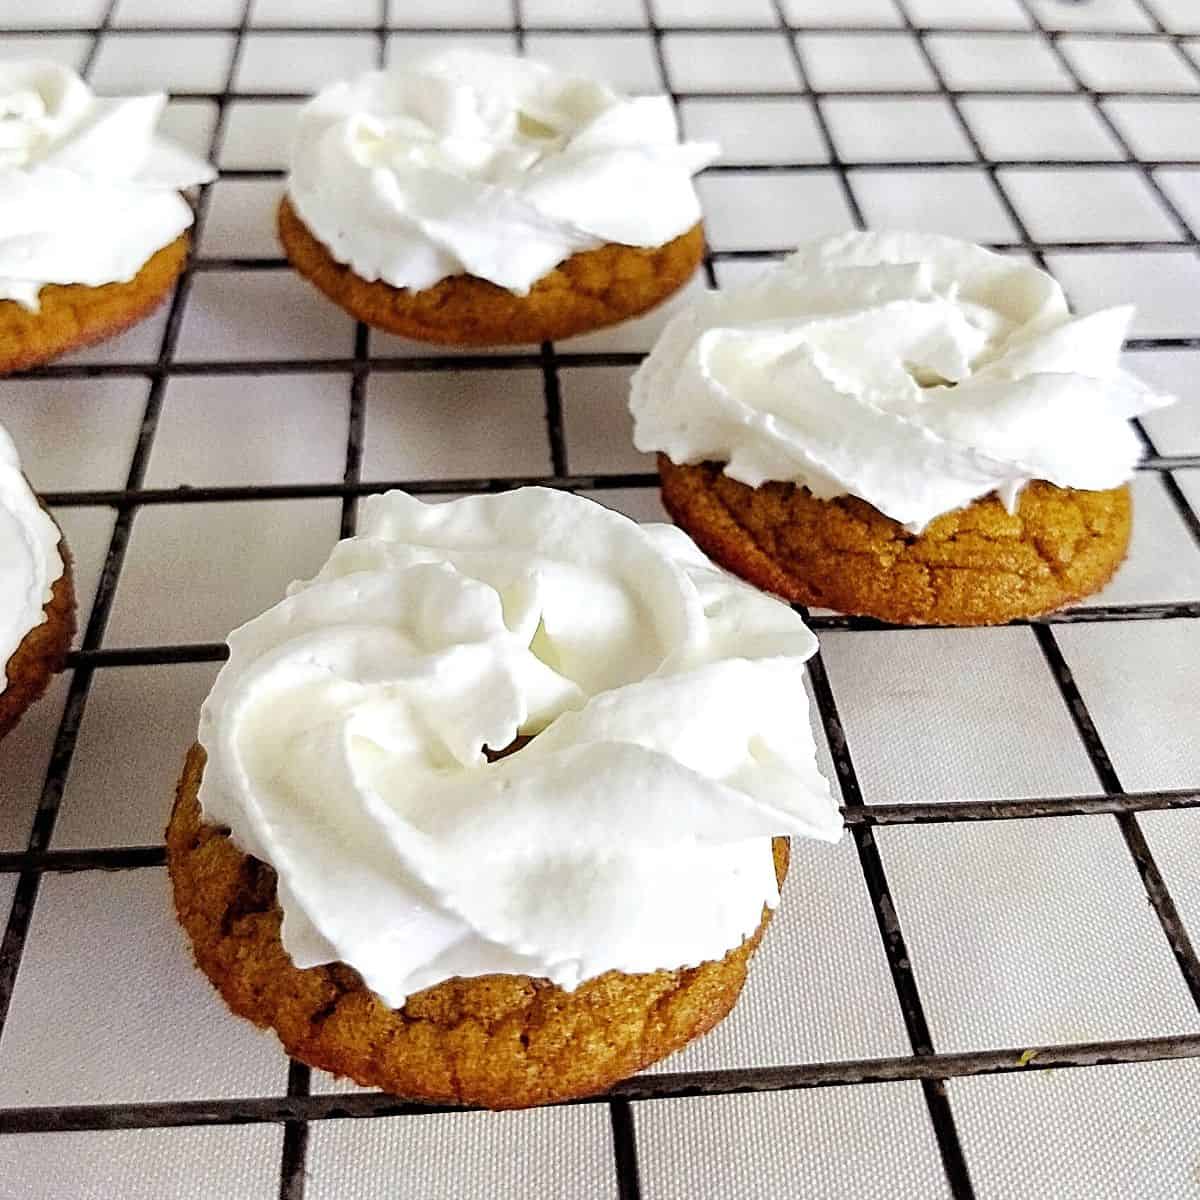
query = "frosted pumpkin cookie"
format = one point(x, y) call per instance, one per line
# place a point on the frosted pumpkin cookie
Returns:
point(492, 811)
point(37, 603)
point(899, 425)
point(92, 225)
point(475, 199)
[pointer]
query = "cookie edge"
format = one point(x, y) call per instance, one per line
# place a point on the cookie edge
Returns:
point(187, 832)
point(161, 270)
point(42, 652)
point(708, 521)
point(460, 302)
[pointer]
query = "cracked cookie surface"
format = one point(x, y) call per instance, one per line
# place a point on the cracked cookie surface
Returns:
point(588, 291)
point(42, 650)
point(500, 1041)
point(979, 565)
point(73, 315)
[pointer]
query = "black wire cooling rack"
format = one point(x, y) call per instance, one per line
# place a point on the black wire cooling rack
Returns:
point(924, 1064)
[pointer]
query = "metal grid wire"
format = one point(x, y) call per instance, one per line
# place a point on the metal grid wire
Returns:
point(925, 1064)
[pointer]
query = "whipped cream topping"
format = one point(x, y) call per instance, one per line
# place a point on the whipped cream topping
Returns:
point(490, 166)
point(87, 192)
point(918, 373)
point(346, 742)
point(29, 558)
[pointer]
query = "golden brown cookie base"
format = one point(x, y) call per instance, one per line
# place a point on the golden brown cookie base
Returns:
point(500, 1041)
point(72, 315)
point(588, 291)
point(42, 650)
point(979, 565)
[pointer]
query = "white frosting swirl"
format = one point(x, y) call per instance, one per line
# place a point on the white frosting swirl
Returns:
point(345, 745)
point(490, 166)
point(915, 372)
point(29, 558)
point(87, 192)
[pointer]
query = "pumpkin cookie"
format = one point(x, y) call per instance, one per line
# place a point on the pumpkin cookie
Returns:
point(37, 602)
point(902, 426)
point(494, 810)
point(42, 650)
point(473, 199)
point(979, 565)
point(71, 316)
point(588, 291)
point(499, 1041)
point(94, 223)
